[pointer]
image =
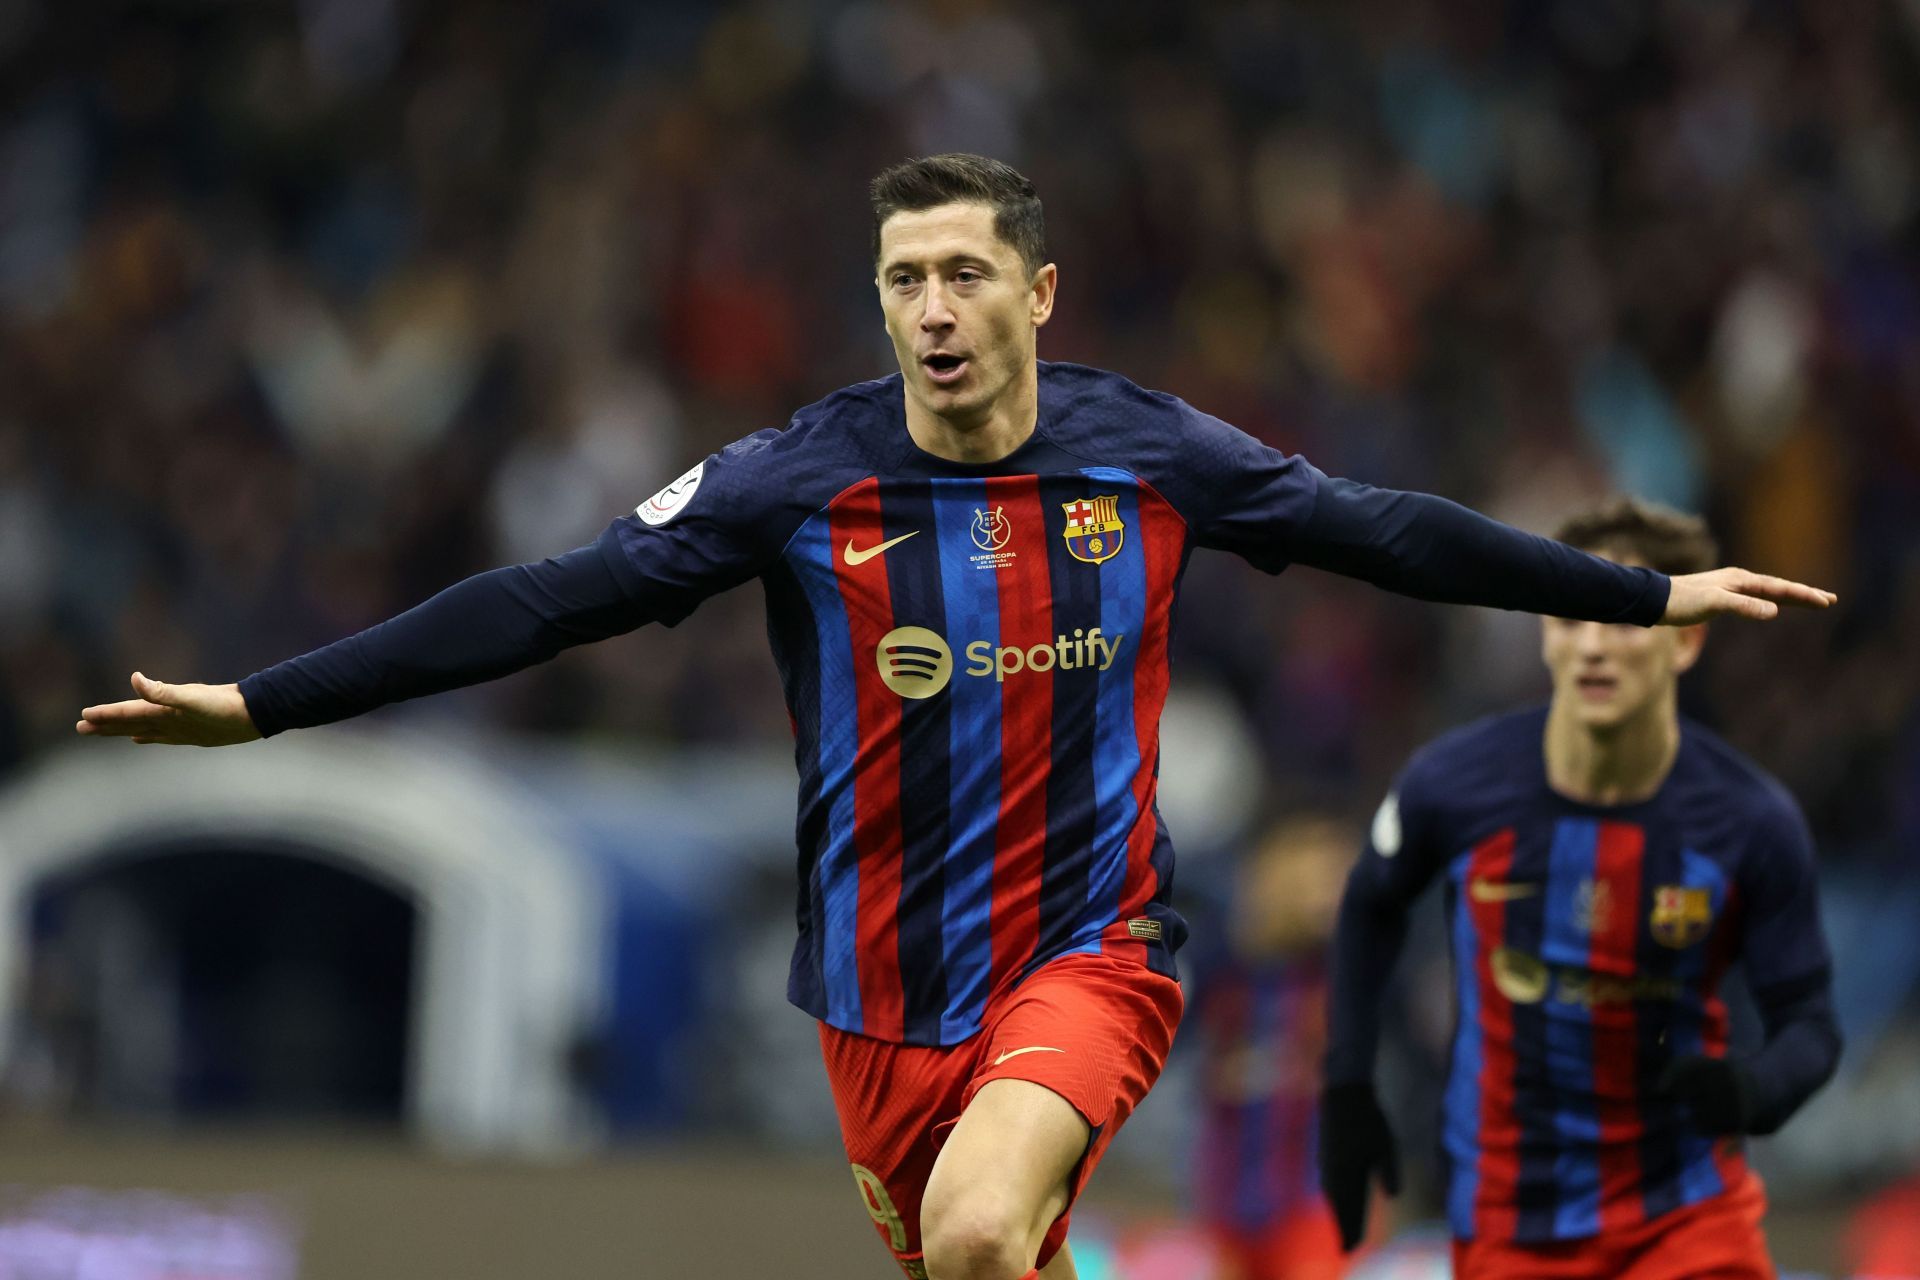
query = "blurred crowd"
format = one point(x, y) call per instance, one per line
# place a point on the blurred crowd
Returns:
point(307, 310)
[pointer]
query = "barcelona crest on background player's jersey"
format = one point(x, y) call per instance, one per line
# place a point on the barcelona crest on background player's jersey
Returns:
point(1681, 915)
point(1094, 529)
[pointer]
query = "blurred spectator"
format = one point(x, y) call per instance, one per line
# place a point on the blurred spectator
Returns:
point(1260, 1011)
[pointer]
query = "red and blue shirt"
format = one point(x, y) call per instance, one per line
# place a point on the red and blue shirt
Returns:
point(1589, 947)
point(974, 658)
point(975, 662)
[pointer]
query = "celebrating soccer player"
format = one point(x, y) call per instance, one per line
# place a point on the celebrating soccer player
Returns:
point(969, 569)
point(1605, 861)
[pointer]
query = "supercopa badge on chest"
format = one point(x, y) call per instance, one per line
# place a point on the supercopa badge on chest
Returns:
point(1094, 531)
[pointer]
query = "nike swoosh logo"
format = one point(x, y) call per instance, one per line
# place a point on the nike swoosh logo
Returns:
point(1034, 1048)
point(861, 557)
point(1495, 891)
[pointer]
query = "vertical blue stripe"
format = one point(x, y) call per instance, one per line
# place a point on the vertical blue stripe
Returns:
point(1116, 747)
point(1463, 1074)
point(1576, 1115)
point(1699, 1175)
point(811, 552)
point(1254, 1203)
point(972, 595)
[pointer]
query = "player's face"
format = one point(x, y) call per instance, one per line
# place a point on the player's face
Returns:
point(1288, 892)
point(961, 308)
point(1612, 673)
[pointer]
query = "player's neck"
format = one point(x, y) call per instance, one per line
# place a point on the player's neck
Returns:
point(988, 435)
point(1621, 764)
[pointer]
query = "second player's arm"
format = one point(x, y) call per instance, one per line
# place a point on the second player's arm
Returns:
point(1790, 971)
point(1356, 1142)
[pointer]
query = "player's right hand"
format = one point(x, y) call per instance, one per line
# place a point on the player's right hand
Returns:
point(1355, 1142)
point(184, 715)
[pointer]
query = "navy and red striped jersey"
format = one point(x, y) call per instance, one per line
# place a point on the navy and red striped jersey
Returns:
point(1589, 945)
point(975, 661)
point(1263, 1029)
point(974, 658)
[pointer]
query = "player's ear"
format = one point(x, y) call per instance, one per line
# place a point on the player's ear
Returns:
point(1044, 282)
point(1687, 643)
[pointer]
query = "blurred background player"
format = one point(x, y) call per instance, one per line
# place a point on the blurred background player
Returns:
point(1605, 862)
point(970, 569)
point(1260, 1013)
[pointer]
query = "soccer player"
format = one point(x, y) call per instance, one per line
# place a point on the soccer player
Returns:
point(1605, 862)
point(1260, 1011)
point(969, 569)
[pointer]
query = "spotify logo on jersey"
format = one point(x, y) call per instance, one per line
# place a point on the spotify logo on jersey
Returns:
point(917, 663)
point(914, 662)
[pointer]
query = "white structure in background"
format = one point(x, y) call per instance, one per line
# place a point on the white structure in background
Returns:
point(510, 935)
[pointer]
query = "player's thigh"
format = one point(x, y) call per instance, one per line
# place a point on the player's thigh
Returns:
point(1007, 1162)
point(1065, 1058)
point(891, 1101)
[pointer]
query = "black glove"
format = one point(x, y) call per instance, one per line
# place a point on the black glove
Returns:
point(1355, 1142)
point(1719, 1092)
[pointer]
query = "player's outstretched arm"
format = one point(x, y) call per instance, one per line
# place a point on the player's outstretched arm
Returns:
point(485, 627)
point(1696, 597)
point(1423, 546)
point(180, 715)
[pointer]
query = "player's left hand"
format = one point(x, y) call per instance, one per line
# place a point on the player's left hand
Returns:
point(1718, 1091)
point(1356, 1146)
point(1696, 597)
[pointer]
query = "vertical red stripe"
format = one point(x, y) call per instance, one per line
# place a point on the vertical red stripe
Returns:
point(1026, 731)
point(1728, 1154)
point(1616, 930)
point(877, 845)
point(1495, 1209)
point(1162, 537)
point(1720, 951)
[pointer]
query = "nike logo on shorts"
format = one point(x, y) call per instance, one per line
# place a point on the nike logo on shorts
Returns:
point(1032, 1048)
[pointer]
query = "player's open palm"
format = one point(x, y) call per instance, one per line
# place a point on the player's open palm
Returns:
point(1696, 597)
point(183, 715)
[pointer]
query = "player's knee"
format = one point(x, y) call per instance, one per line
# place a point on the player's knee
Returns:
point(977, 1238)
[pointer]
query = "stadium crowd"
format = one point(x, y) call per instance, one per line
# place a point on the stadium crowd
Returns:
point(308, 310)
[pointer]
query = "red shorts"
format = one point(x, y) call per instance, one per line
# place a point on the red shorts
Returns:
point(1301, 1246)
point(1093, 1029)
point(1718, 1238)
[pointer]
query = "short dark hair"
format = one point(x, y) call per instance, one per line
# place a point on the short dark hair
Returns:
point(1658, 537)
point(959, 176)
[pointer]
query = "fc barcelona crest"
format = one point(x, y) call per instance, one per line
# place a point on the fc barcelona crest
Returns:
point(1681, 915)
point(1094, 530)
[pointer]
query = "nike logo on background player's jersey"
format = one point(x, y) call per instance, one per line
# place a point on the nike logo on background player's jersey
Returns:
point(1032, 1048)
point(1500, 891)
point(861, 557)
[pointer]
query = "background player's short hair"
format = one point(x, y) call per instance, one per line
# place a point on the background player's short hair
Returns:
point(931, 181)
point(1661, 538)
